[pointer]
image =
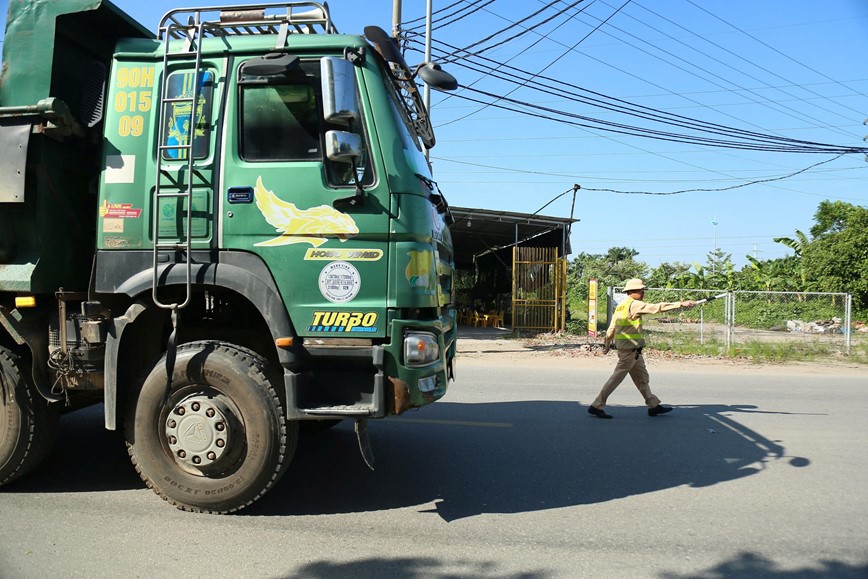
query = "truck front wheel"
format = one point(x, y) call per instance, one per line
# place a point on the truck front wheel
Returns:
point(28, 424)
point(219, 439)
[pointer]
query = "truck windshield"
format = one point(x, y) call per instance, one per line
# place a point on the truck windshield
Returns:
point(409, 140)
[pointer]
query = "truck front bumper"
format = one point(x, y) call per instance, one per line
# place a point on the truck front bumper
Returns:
point(371, 381)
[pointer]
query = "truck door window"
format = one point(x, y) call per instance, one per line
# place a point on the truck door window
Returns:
point(178, 115)
point(281, 120)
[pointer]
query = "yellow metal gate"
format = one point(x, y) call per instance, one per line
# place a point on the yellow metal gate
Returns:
point(539, 289)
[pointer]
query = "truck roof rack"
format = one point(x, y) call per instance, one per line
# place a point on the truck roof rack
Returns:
point(280, 18)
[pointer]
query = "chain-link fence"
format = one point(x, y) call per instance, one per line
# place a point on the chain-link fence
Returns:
point(740, 319)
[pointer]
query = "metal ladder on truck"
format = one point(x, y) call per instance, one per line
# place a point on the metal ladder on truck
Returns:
point(299, 18)
point(187, 27)
point(180, 189)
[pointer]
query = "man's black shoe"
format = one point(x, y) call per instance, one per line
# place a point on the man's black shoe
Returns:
point(659, 409)
point(598, 412)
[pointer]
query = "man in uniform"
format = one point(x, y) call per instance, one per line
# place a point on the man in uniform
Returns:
point(626, 332)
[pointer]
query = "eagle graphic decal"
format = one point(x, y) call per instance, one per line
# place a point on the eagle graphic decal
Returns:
point(314, 226)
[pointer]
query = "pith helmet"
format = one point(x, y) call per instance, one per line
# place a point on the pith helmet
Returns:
point(634, 284)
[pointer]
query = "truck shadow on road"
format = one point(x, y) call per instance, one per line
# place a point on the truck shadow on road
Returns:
point(85, 458)
point(460, 460)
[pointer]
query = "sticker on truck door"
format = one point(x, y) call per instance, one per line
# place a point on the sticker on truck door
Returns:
point(339, 282)
point(330, 254)
point(421, 272)
point(356, 322)
point(314, 226)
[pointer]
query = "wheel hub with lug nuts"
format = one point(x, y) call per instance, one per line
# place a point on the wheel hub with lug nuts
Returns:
point(197, 431)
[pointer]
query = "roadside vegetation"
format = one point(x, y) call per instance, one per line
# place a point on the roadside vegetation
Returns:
point(679, 344)
point(759, 351)
point(833, 258)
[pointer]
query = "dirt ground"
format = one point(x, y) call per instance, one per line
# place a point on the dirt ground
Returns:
point(493, 346)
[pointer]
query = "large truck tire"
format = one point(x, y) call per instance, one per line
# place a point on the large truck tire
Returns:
point(28, 423)
point(220, 439)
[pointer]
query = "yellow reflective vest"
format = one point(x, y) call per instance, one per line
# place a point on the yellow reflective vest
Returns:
point(628, 333)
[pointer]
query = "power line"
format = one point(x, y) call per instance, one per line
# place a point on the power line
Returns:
point(467, 9)
point(663, 156)
point(754, 139)
point(708, 190)
point(734, 27)
point(540, 39)
point(451, 57)
point(458, 17)
point(716, 190)
point(734, 140)
point(765, 102)
point(608, 64)
point(749, 139)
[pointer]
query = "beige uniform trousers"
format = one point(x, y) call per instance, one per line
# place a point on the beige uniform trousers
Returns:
point(628, 363)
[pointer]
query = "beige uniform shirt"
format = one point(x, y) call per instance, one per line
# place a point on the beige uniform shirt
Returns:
point(638, 309)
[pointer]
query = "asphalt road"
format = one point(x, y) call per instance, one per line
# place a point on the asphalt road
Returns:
point(755, 474)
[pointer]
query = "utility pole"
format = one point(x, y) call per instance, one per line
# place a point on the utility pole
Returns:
point(428, 19)
point(396, 18)
point(427, 93)
point(714, 223)
point(396, 32)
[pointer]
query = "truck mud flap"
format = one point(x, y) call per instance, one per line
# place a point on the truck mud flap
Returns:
point(365, 442)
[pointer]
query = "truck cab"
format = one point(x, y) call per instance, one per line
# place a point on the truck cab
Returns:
point(268, 247)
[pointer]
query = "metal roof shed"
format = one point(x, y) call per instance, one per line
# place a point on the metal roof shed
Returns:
point(477, 232)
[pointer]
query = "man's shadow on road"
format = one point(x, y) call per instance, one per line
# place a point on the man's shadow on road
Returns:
point(459, 460)
point(514, 457)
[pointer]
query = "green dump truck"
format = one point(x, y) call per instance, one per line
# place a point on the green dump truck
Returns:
point(221, 232)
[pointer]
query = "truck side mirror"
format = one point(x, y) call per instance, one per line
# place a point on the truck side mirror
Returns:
point(346, 147)
point(340, 105)
point(435, 77)
point(343, 147)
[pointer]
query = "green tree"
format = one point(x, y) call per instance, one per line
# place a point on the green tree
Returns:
point(790, 271)
point(699, 278)
point(798, 245)
point(765, 275)
point(582, 268)
point(610, 269)
point(668, 275)
point(617, 255)
point(834, 217)
point(720, 271)
point(836, 260)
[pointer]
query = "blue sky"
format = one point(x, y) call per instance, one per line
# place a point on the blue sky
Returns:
point(785, 68)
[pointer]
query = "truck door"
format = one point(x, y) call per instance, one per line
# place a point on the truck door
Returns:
point(177, 133)
point(146, 182)
point(279, 200)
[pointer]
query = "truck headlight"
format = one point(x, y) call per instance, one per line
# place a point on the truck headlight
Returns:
point(420, 349)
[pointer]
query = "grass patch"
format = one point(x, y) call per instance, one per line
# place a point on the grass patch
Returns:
point(777, 353)
point(681, 343)
point(757, 351)
point(859, 352)
point(684, 344)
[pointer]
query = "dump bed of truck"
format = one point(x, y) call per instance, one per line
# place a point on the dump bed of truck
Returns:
point(52, 88)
